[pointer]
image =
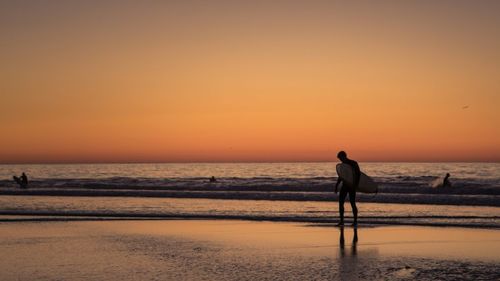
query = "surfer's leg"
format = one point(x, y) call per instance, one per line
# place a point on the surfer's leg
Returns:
point(342, 196)
point(352, 199)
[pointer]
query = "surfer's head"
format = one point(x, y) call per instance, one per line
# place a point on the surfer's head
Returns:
point(342, 155)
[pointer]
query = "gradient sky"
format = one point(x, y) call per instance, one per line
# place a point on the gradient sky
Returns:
point(165, 81)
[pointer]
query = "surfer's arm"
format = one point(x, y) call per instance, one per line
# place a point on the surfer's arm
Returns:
point(357, 175)
point(337, 184)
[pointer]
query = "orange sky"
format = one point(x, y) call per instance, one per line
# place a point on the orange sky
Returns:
point(119, 81)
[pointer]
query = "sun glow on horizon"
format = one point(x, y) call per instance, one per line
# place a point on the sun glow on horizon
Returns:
point(188, 81)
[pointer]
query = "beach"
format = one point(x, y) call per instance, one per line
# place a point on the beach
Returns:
point(249, 140)
point(242, 250)
point(256, 222)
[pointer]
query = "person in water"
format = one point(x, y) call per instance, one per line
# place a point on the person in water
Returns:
point(212, 179)
point(347, 188)
point(446, 181)
point(22, 180)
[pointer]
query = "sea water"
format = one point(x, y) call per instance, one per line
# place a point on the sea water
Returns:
point(284, 191)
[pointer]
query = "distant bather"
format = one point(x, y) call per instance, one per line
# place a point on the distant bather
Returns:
point(446, 182)
point(22, 180)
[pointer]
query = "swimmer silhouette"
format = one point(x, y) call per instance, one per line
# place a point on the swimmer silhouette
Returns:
point(22, 180)
point(346, 188)
point(446, 182)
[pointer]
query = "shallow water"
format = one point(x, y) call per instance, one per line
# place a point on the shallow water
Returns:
point(369, 213)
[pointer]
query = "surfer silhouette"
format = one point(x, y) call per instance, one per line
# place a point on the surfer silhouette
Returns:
point(347, 188)
point(446, 182)
point(22, 180)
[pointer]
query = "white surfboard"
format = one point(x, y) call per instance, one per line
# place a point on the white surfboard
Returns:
point(366, 184)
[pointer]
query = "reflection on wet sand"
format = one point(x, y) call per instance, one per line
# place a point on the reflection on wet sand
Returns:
point(348, 262)
point(354, 242)
point(242, 250)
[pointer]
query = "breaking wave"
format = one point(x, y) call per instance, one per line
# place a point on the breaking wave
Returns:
point(399, 189)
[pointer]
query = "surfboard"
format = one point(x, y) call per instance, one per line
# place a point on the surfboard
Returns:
point(366, 183)
point(438, 183)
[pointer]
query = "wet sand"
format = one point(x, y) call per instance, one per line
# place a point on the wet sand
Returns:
point(242, 250)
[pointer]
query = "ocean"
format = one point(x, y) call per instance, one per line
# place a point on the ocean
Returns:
point(258, 191)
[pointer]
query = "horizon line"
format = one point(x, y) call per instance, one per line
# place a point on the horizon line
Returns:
point(234, 162)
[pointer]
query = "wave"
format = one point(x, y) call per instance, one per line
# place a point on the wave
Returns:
point(399, 184)
point(400, 189)
point(406, 198)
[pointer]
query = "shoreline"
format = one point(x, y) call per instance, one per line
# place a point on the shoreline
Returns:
point(66, 208)
point(327, 222)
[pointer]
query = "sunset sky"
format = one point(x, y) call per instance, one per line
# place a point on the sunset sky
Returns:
point(184, 81)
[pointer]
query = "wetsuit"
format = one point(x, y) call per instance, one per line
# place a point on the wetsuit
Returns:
point(346, 188)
